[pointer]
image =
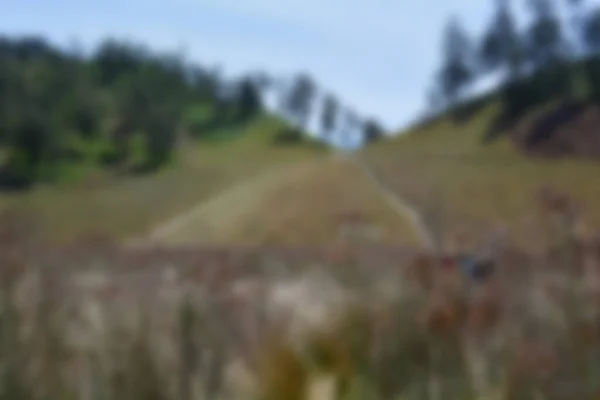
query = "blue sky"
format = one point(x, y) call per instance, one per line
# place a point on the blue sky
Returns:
point(376, 55)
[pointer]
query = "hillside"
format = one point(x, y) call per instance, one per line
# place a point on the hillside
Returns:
point(308, 203)
point(122, 140)
point(465, 183)
point(103, 203)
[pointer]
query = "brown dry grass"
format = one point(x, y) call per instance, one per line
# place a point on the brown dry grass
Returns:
point(447, 173)
point(321, 203)
point(109, 322)
point(129, 206)
point(171, 322)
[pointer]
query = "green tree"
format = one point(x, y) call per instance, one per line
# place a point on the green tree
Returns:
point(502, 46)
point(249, 101)
point(329, 114)
point(298, 101)
point(591, 31)
point(546, 44)
point(577, 19)
point(548, 52)
point(372, 130)
point(591, 36)
point(56, 105)
point(30, 146)
point(457, 71)
point(114, 59)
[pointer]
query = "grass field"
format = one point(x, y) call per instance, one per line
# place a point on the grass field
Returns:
point(460, 184)
point(290, 322)
point(320, 203)
point(302, 203)
point(131, 205)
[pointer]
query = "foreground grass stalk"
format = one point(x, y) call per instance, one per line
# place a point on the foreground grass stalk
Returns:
point(50, 359)
point(425, 331)
point(13, 384)
point(187, 350)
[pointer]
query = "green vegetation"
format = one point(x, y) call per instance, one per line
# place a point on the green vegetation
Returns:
point(129, 205)
point(123, 141)
point(118, 141)
point(474, 164)
point(365, 326)
point(124, 109)
point(464, 187)
point(544, 61)
point(318, 202)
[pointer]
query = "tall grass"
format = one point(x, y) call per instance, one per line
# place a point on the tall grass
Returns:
point(530, 330)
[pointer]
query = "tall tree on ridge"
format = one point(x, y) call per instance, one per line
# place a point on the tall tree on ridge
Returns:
point(329, 114)
point(298, 101)
point(502, 47)
point(457, 69)
point(249, 100)
point(546, 43)
point(372, 130)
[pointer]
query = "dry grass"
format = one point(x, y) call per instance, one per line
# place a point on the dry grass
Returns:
point(172, 324)
point(321, 203)
point(126, 206)
point(215, 220)
point(380, 321)
point(447, 173)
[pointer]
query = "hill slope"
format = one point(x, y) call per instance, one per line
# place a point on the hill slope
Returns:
point(309, 202)
point(463, 185)
point(130, 205)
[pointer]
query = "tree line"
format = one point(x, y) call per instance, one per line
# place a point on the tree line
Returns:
point(298, 104)
point(123, 107)
point(551, 57)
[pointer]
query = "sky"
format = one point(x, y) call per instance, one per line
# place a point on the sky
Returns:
point(377, 56)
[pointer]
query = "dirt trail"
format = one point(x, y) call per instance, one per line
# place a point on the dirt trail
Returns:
point(214, 218)
point(399, 205)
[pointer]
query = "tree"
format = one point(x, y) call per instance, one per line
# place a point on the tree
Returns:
point(372, 130)
point(114, 60)
point(502, 46)
point(457, 68)
point(577, 23)
point(31, 145)
point(577, 46)
point(329, 114)
point(261, 80)
point(160, 135)
point(299, 99)
point(547, 51)
point(249, 101)
point(591, 35)
point(591, 31)
point(545, 37)
point(54, 105)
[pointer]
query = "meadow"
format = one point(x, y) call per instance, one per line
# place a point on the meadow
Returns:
point(463, 186)
point(101, 203)
point(341, 321)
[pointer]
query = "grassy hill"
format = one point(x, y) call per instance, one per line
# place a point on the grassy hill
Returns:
point(463, 184)
point(102, 202)
point(310, 203)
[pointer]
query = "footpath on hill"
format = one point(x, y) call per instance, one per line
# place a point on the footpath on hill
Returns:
point(399, 205)
point(215, 219)
point(212, 218)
